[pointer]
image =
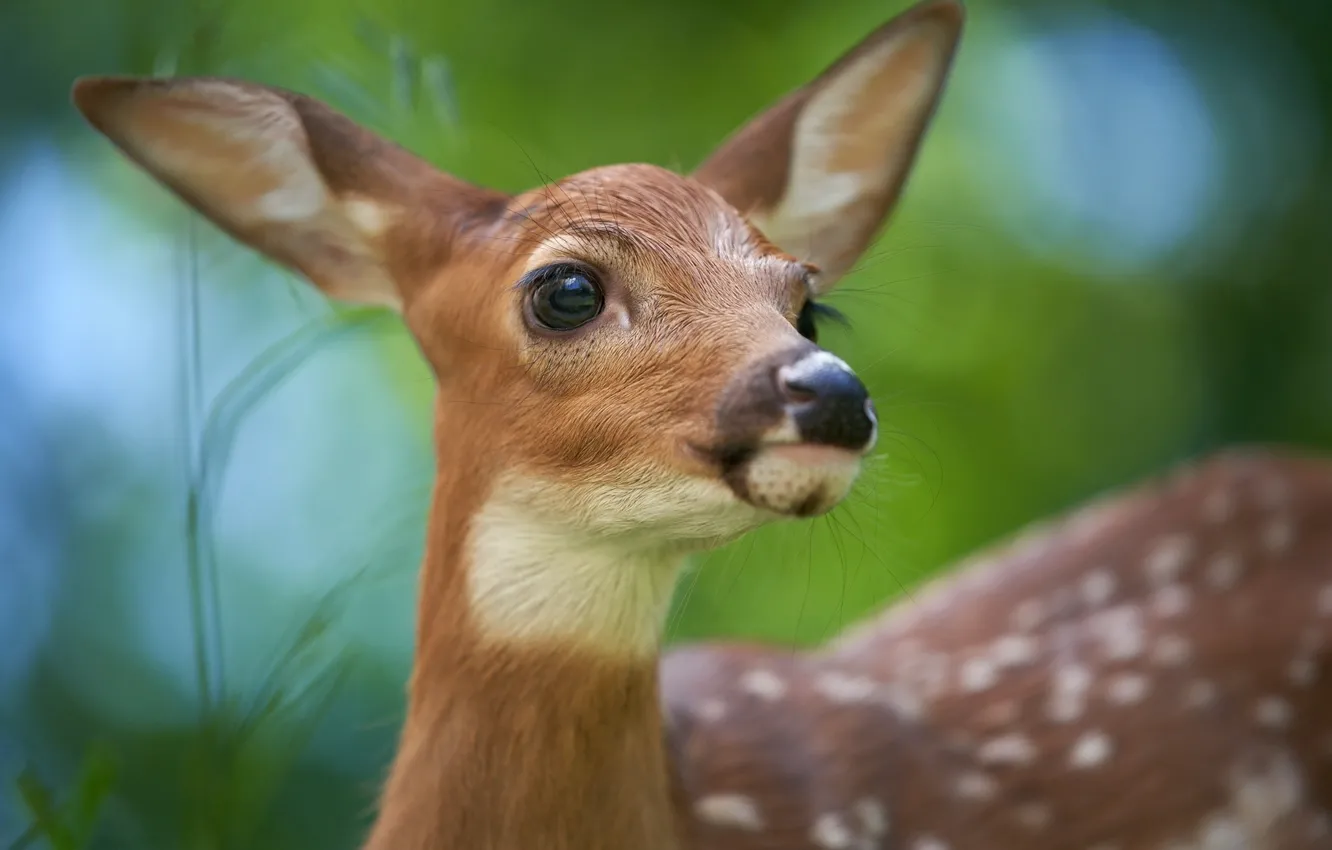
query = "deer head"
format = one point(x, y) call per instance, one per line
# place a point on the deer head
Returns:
point(627, 373)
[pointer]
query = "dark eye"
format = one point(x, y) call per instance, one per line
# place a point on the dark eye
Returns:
point(812, 314)
point(565, 297)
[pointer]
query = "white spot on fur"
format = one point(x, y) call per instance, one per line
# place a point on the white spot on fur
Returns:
point(1090, 750)
point(1120, 630)
point(1167, 559)
point(872, 817)
point(929, 842)
point(1014, 650)
point(1097, 588)
point(729, 810)
point(1034, 816)
point(1261, 802)
point(843, 687)
point(1171, 651)
point(1011, 749)
point(711, 710)
point(927, 672)
point(763, 684)
point(1278, 534)
point(974, 785)
point(1273, 712)
point(832, 832)
point(1171, 601)
point(903, 702)
point(1222, 832)
point(1262, 798)
point(1127, 688)
point(1223, 570)
point(1325, 600)
point(1068, 692)
point(977, 674)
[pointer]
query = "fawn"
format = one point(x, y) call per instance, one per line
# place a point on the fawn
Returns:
point(645, 345)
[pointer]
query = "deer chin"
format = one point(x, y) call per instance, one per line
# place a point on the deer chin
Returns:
point(795, 479)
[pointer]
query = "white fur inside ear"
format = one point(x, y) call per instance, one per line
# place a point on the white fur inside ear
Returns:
point(824, 129)
point(289, 203)
point(242, 156)
point(825, 193)
point(853, 142)
point(850, 136)
point(243, 153)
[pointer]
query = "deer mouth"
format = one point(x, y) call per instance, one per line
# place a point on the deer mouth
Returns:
point(789, 478)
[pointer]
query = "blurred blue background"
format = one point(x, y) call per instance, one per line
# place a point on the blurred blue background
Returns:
point(1116, 252)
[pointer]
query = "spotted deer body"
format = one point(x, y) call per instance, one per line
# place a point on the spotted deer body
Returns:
point(1153, 672)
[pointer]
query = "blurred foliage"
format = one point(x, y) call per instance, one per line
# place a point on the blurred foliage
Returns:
point(1114, 254)
point(71, 826)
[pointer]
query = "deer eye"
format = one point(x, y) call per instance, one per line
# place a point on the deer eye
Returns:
point(565, 297)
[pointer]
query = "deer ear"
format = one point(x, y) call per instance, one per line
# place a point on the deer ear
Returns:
point(280, 172)
point(819, 171)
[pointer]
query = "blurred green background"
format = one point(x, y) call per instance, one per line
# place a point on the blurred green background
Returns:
point(1116, 253)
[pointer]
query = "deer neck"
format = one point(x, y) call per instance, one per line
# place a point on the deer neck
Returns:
point(533, 715)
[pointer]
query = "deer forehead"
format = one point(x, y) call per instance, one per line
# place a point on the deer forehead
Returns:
point(668, 233)
point(686, 276)
point(656, 277)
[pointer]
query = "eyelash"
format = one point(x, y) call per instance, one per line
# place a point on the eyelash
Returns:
point(537, 276)
point(813, 315)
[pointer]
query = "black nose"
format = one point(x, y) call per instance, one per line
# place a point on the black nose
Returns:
point(828, 402)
